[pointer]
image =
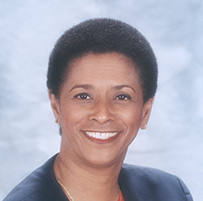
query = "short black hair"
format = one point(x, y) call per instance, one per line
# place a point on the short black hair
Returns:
point(103, 35)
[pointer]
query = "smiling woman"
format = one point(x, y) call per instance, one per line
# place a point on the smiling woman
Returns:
point(100, 109)
point(102, 79)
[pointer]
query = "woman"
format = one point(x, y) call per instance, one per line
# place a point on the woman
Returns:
point(102, 79)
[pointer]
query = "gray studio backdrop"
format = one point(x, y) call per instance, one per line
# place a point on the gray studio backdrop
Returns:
point(28, 30)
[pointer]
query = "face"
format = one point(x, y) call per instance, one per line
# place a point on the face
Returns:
point(100, 109)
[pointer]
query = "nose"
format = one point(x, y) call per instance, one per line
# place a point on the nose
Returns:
point(102, 112)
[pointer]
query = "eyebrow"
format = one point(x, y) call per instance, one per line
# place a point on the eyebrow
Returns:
point(84, 86)
point(119, 87)
point(87, 86)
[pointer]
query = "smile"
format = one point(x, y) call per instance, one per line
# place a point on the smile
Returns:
point(101, 136)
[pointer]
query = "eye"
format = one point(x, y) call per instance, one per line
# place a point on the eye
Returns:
point(83, 96)
point(123, 97)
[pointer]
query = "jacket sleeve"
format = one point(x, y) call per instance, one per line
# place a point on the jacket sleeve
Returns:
point(185, 190)
point(142, 183)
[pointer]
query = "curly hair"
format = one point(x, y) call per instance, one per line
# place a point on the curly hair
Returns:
point(103, 35)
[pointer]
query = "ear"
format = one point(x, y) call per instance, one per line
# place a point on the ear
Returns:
point(54, 105)
point(146, 113)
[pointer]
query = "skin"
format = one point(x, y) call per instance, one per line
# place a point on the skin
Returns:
point(102, 94)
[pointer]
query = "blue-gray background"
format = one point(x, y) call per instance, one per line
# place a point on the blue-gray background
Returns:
point(28, 30)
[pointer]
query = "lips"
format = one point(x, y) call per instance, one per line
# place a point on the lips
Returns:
point(101, 135)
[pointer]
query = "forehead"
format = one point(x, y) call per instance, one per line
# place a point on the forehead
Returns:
point(109, 65)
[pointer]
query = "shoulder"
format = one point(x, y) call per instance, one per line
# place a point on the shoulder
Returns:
point(145, 173)
point(40, 185)
point(153, 184)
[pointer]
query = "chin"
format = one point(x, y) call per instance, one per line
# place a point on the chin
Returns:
point(105, 161)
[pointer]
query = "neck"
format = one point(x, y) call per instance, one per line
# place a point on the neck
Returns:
point(88, 183)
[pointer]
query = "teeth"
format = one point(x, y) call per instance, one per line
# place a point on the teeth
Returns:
point(102, 136)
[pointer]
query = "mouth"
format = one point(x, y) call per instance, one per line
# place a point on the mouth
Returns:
point(101, 135)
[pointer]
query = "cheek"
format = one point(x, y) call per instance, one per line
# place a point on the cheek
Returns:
point(132, 117)
point(71, 114)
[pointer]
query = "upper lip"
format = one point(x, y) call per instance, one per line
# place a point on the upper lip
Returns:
point(104, 131)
